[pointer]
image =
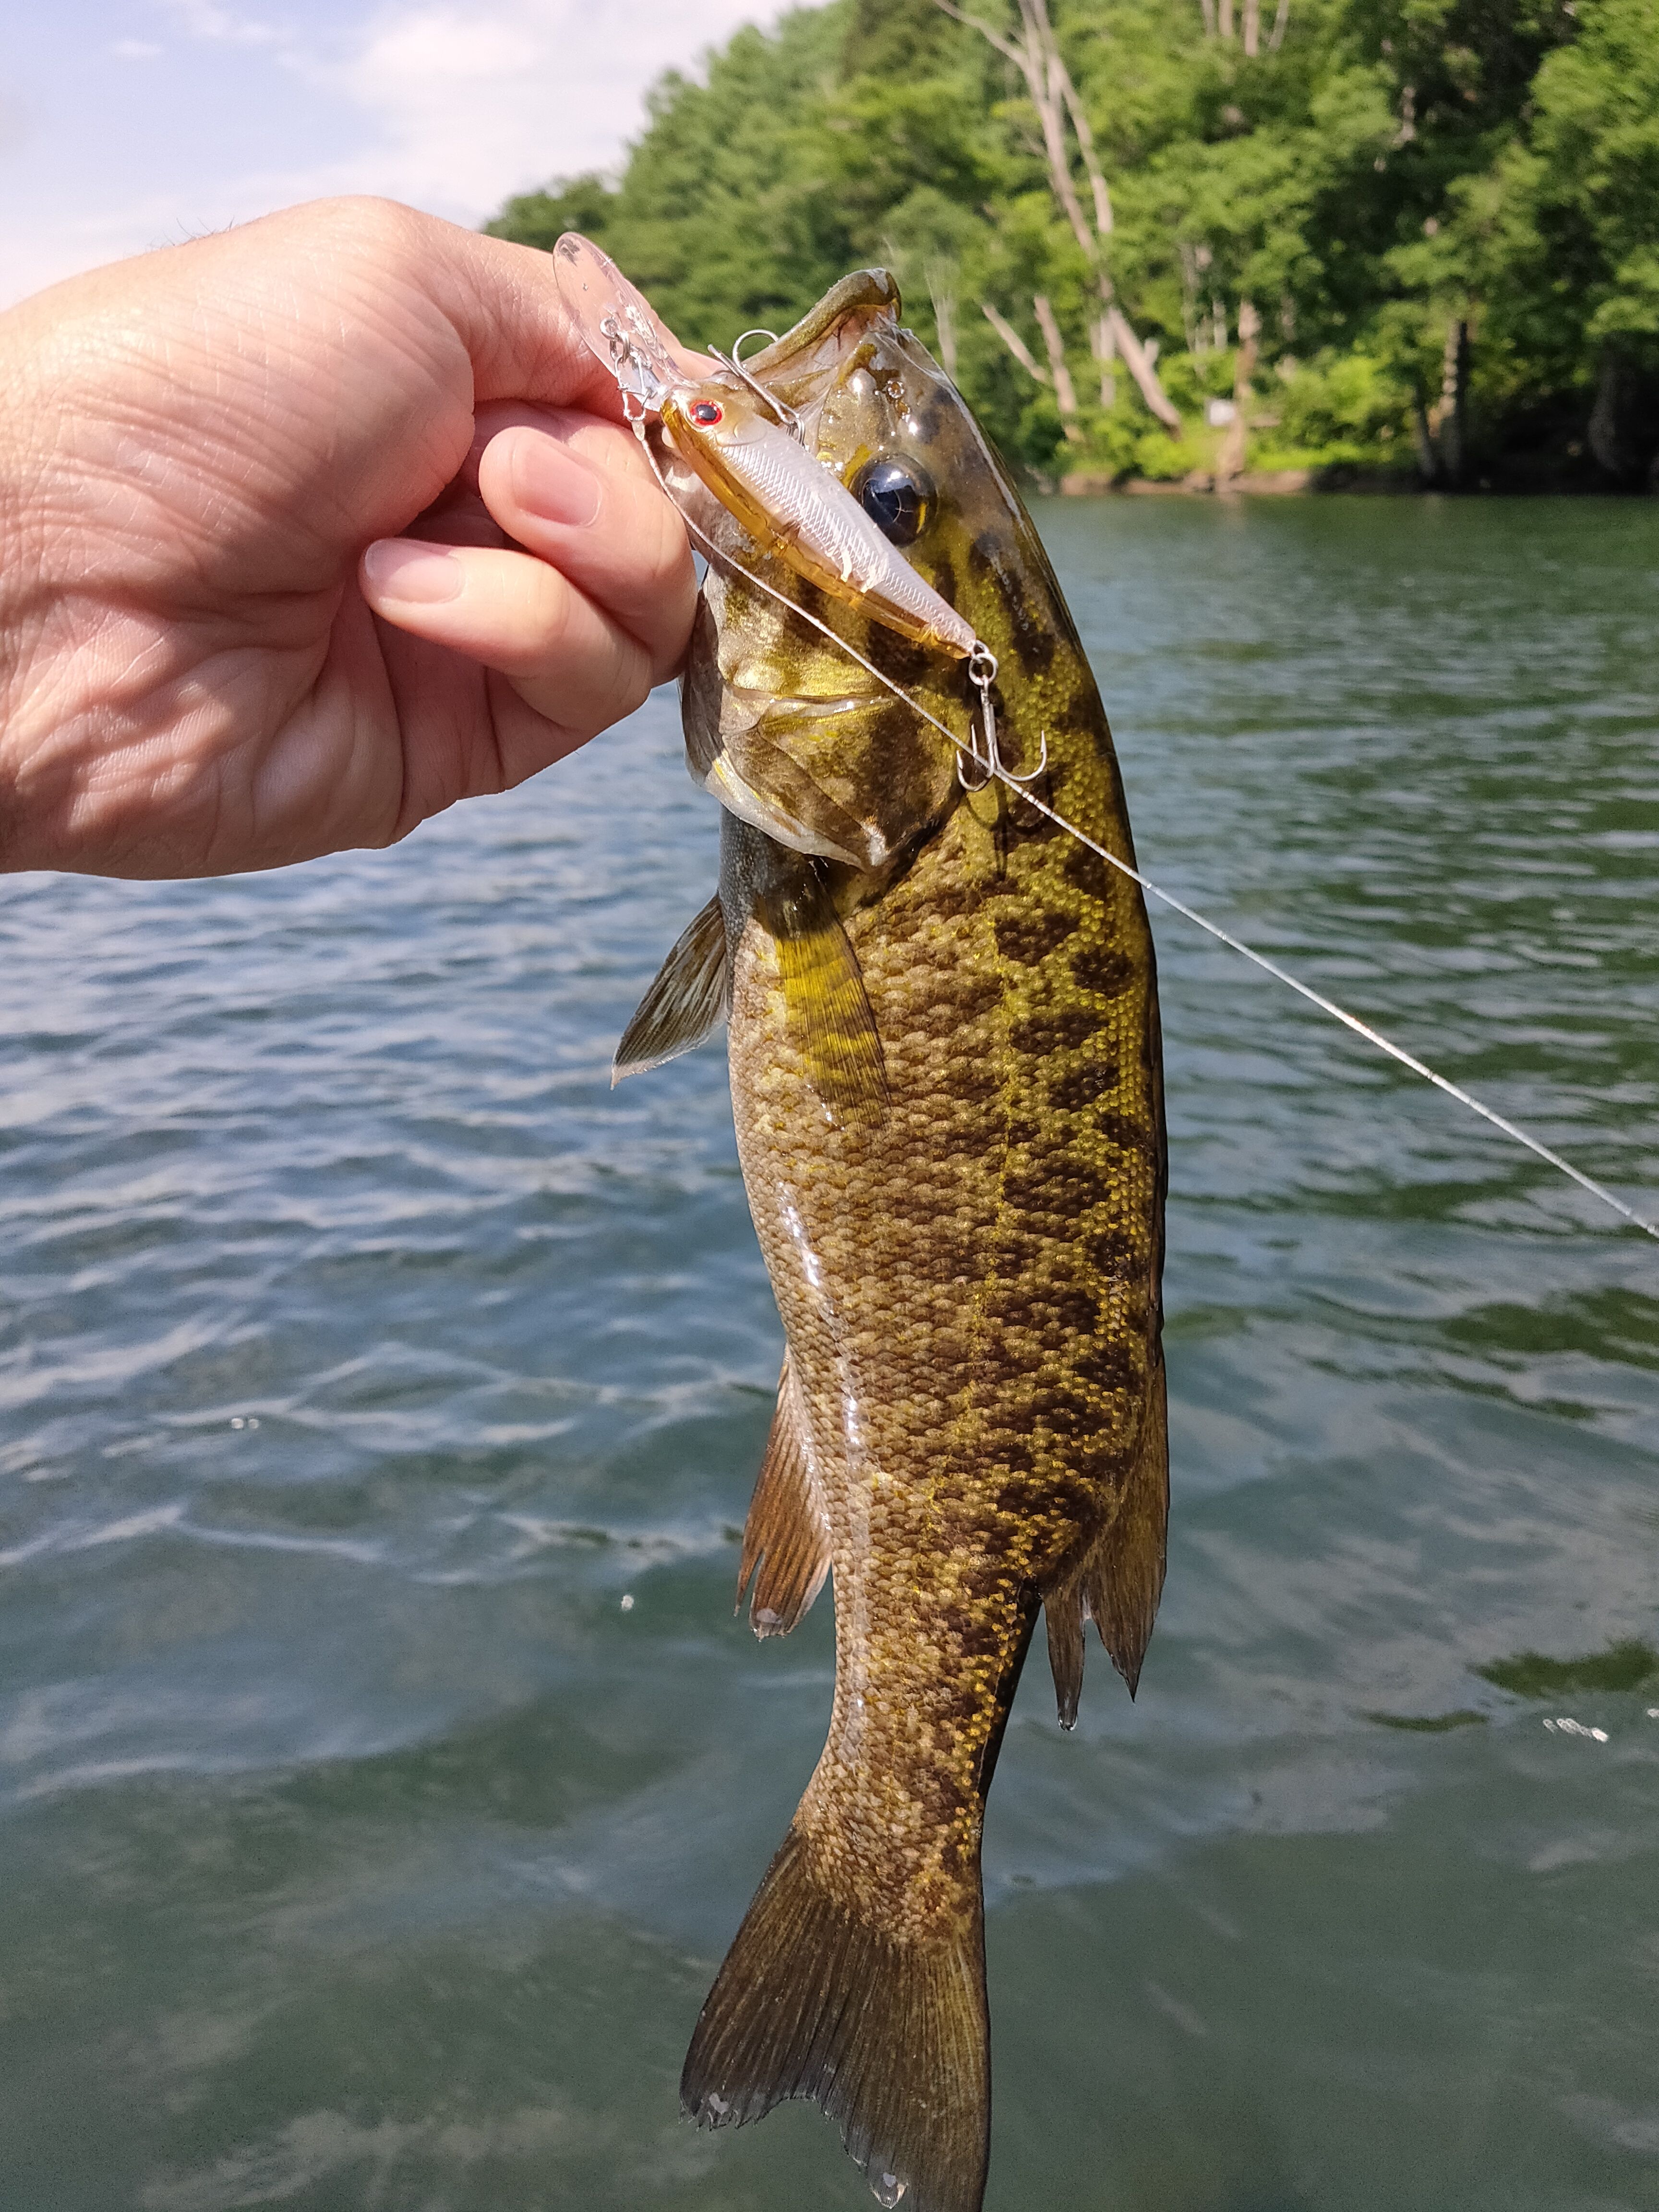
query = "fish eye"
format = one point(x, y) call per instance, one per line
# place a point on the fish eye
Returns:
point(898, 496)
point(707, 412)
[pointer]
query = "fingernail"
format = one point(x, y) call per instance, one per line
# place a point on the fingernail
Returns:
point(423, 574)
point(548, 481)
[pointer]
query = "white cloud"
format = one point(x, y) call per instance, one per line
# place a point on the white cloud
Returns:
point(472, 102)
point(452, 105)
point(206, 19)
point(33, 259)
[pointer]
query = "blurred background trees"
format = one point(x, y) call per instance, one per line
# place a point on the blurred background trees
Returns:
point(1187, 237)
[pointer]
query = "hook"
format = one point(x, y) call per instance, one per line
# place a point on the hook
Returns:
point(786, 416)
point(1032, 774)
point(982, 674)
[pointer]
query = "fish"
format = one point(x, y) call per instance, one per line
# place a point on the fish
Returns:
point(945, 1069)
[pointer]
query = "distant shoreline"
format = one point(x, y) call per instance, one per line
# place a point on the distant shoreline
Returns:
point(1084, 483)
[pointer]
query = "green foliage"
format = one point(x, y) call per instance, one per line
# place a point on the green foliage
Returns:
point(1562, 234)
point(1626, 1666)
point(1388, 170)
point(1344, 407)
point(1429, 1724)
point(582, 203)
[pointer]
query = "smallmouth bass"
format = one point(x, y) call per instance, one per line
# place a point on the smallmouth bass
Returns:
point(945, 1076)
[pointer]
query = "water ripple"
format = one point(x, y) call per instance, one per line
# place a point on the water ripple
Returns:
point(381, 1765)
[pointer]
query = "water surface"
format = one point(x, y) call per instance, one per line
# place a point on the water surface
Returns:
point(381, 1770)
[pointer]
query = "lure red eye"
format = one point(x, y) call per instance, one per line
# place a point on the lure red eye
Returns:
point(706, 412)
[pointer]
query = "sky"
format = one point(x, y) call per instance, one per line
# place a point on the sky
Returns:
point(130, 124)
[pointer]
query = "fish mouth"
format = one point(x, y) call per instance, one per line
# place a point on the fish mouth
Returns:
point(840, 772)
point(843, 316)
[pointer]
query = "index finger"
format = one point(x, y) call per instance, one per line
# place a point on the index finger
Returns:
point(580, 492)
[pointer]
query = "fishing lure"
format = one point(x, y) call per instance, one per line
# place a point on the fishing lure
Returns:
point(745, 446)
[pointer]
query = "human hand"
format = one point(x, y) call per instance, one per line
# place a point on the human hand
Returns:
point(262, 499)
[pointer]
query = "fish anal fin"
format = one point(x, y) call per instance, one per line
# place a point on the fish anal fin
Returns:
point(1118, 1581)
point(787, 1535)
point(888, 2035)
point(685, 1003)
point(1124, 1577)
point(829, 1016)
point(1062, 1616)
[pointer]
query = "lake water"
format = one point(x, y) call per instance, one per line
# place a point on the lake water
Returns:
point(382, 1772)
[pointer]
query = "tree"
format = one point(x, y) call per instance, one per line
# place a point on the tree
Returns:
point(1064, 122)
point(1443, 216)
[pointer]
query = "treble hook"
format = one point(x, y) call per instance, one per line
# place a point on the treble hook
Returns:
point(982, 674)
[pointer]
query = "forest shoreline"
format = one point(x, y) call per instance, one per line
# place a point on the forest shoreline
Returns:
point(1163, 240)
point(1087, 483)
point(1318, 483)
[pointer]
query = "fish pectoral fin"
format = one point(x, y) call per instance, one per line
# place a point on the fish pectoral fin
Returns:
point(888, 2035)
point(685, 1003)
point(701, 694)
point(829, 1016)
point(1119, 1580)
point(787, 1535)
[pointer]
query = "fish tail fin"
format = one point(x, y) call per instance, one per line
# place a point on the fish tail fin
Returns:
point(890, 2036)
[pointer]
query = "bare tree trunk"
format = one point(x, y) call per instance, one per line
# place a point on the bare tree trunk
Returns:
point(1065, 390)
point(1281, 21)
point(1252, 28)
point(1229, 461)
point(1428, 461)
point(942, 295)
point(1615, 417)
point(1104, 339)
point(1449, 419)
point(1085, 146)
point(1188, 294)
point(1036, 53)
point(1016, 344)
point(1207, 8)
point(1138, 363)
point(1226, 18)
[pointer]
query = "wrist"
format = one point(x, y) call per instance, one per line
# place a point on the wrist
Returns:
point(29, 441)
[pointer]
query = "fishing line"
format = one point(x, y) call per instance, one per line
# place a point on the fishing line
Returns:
point(965, 745)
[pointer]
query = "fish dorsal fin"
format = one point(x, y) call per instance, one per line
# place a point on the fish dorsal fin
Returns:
point(1119, 1580)
point(685, 1003)
point(829, 1016)
point(786, 1534)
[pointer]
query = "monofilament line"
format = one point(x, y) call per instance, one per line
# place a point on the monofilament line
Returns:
point(1362, 1029)
point(1352, 1022)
